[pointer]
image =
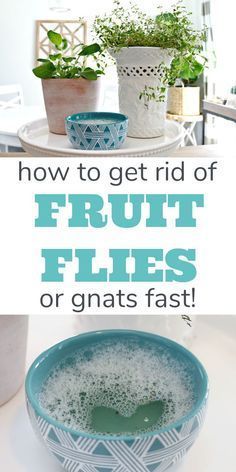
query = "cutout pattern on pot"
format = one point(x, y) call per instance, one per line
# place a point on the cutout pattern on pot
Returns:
point(140, 71)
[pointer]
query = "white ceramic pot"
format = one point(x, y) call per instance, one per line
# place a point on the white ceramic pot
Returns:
point(13, 339)
point(139, 68)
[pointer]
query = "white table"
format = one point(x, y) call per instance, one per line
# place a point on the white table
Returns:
point(11, 119)
point(188, 124)
point(214, 450)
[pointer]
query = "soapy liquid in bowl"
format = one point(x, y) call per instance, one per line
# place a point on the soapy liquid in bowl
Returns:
point(118, 388)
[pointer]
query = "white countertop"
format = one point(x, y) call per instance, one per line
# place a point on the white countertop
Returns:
point(214, 451)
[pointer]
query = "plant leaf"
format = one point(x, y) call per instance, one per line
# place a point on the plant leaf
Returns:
point(63, 45)
point(166, 17)
point(45, 71)
point(55, 38)
point(54, 57)
point(191, 70)
point(42, 60)
point(89, 74)
point(73, 71)
point(68, 59)
point(89, 50)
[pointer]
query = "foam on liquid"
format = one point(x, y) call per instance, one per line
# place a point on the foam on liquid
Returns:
point(119, 375)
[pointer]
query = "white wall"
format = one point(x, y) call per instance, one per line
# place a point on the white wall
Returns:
point(17, 33)
point(17, 36)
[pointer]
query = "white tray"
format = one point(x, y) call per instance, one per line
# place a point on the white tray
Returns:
point(38, 141)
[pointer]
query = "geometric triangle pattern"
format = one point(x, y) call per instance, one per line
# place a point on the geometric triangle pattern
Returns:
point(156, 453)
point(100, 137)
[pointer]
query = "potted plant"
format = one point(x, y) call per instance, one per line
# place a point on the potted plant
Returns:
point(144, 47)
point(183, 94)
point(70, 84)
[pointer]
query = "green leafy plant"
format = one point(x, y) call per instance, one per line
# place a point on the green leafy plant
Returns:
point(188, 69)
point(63, 66)
point(174, 30)
point(128, 27)
point(149, 94)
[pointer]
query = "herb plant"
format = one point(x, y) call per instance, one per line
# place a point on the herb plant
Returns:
point(148, 94)
point(130, 27)
point(188, 69)
point(63, 66)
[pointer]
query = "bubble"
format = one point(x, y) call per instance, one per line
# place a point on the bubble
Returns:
point(121, 375)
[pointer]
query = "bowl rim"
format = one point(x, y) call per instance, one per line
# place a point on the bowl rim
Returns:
point(112, 115)
point(103, 437)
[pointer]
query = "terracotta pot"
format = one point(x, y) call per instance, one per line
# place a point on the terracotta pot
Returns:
point(65, 97)
point(13, 339)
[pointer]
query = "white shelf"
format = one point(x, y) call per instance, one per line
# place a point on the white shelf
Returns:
point(223, 111)
point(214, 450)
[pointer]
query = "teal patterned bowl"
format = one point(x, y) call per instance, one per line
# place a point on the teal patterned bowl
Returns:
point(97, 131)
point(78, 451)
